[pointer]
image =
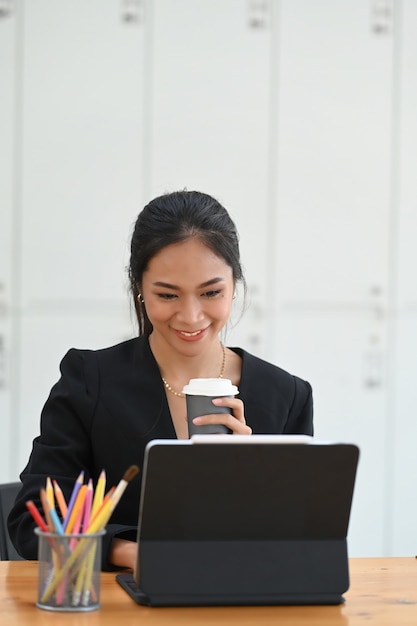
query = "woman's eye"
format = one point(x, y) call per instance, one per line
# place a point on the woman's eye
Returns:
point(212, 294)
point(167, 296)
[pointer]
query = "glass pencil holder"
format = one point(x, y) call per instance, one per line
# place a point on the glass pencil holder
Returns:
point(69, 568)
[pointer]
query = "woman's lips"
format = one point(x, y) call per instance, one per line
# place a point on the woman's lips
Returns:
point(195, 335)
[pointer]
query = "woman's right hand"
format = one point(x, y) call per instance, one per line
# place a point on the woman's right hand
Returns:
point(235, 421)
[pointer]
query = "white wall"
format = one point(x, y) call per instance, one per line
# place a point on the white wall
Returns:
point(300, 117)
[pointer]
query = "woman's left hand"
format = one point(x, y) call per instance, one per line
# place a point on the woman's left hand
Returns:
point(123, 553)
point(235, 421)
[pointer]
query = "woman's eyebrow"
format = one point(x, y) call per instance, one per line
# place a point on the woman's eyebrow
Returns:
point(207, 283)
point(159, 283)
point(212, 281)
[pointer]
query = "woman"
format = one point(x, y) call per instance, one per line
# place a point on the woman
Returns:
point(108, 404)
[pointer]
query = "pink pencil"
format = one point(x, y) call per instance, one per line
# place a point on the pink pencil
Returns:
point(87, 505)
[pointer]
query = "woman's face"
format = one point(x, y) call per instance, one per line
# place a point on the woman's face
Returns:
point(188, 293)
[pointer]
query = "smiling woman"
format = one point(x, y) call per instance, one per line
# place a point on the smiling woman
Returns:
point(109, 403)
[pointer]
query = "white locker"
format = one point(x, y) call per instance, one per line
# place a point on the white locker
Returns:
point(83, 152)
point(7, 233)
point(210, 119)
point(332, 190)
point(402, 513)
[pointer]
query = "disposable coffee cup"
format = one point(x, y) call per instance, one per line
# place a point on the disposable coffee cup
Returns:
point(199, 394)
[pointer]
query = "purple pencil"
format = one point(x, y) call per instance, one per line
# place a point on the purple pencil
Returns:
point(77, 487)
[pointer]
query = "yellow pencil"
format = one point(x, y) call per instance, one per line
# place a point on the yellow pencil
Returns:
point(103, 515)
point(50, 493)
point(46, 509)
point(99, 493)
point(105, 500)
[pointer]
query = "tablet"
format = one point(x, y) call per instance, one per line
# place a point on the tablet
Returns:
point(243, 521)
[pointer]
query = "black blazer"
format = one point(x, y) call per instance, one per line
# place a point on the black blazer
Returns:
point(108, 404)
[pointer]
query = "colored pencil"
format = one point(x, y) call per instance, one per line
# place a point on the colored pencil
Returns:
point(76, 512)
point(46, 511)
point(59, 496)
point(103, 504)
point(105, 512)
point(51, 515)
point(99, 493)
point(77, 487)
point(37, 516)
point(50, 493)
point(87, 505)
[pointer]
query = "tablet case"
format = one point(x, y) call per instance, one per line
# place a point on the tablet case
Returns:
point(260, 522)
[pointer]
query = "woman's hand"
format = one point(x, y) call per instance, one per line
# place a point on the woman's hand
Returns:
point(235, 421)
point(123, 553)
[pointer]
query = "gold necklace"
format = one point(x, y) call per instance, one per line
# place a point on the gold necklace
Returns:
point(182, 395)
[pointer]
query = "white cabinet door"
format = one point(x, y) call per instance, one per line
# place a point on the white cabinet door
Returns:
point(209, 123)
point(82, 170)
point(7, 188)
point(334, 147)
point(332, 190)
point(403, 421)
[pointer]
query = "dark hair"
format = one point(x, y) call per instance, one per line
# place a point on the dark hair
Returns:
point(172, 218)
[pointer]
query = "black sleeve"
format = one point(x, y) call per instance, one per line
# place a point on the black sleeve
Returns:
point(276, 402)
point(62, 450)
point(300, 416)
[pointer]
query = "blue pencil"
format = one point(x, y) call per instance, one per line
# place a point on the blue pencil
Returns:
point(56, 522)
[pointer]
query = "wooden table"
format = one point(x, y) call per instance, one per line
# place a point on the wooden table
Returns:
point(383, 592)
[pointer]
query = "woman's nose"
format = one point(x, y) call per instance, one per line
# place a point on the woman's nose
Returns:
point(190, 311)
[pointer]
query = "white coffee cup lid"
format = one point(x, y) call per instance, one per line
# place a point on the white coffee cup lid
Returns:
point(210, 387)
